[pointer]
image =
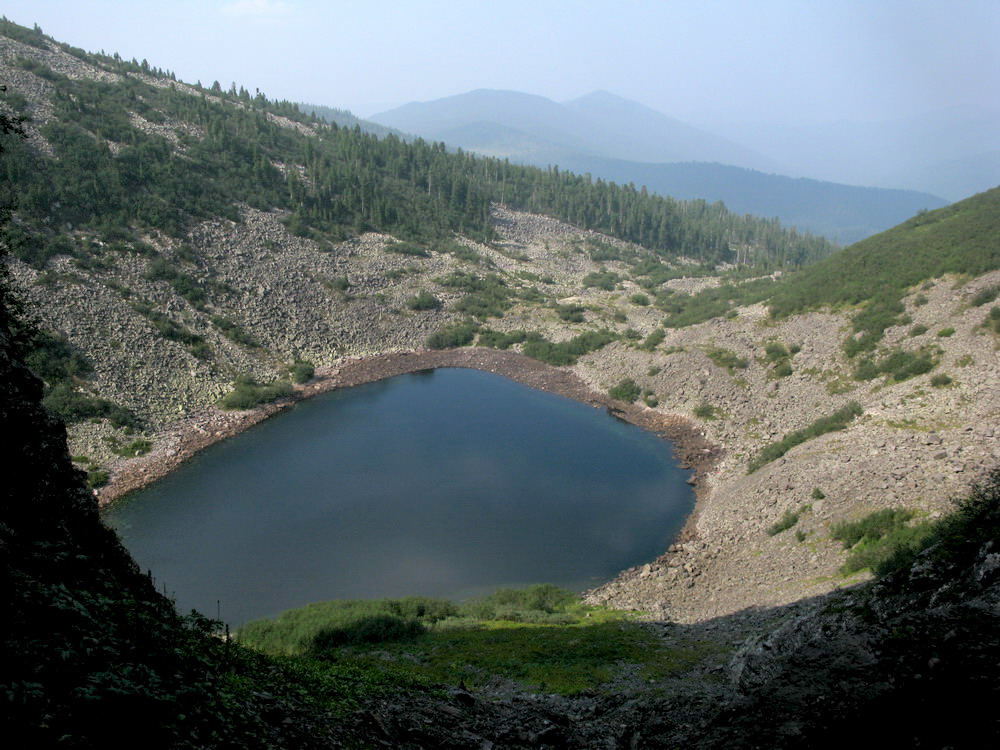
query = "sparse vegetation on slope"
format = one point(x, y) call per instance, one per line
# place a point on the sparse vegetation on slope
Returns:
point(836, 421)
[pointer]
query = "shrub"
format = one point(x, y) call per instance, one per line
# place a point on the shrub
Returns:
point(97, 478)
point(570, 313)
point(983, 296)
point(775, 351)
point(606, 280)
point(726, 359)
point(946, 332)
point(248, 393)
point(882, 541)
point(423, 301)
point(654, 370)
point(836, 421)
point(940, 380)
point(499, 340)
point(454, 335)
point(516, 604)
point(407, 248)
point(653, 340)
point(872, 527)
point(917, 330)
point(782, 370)
point(706, 411)
point(301, 371)
point(626, 390)
point(899, 364)
point(71, 406)
point(920, 300)
point(233, 331)
point(992, 321)
point(566, 352)
point(788, 520)
point(639, 299)
point(817, 494)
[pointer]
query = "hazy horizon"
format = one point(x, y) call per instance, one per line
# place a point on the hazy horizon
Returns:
point(772, 61)
point(898, 94)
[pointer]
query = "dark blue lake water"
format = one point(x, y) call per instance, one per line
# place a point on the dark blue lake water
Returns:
point(450, 482)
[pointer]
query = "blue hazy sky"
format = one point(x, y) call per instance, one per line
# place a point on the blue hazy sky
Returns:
point(698, 60)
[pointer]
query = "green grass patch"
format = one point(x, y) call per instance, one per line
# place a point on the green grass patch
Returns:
point(836, 421)
point(541, 637)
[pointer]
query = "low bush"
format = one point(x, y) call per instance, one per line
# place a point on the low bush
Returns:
point(499, 340)
point(946, 332)
point(71, 405)
point(940, 380)
point(570, 313)
point(899, 364)
point(407, 248)
point(882, 541)
point(653, 340)
point(301, 371)
point(992, 321)
point(233, 331)
point(423, 301)
point(917, 330)
point(836, 421)
point(606, 280)
point(983, 296)
point(787, 521)
point(627, 390)
point(726, 359)
point(567, 352)
point(775, 351)
point(454, 335)
point(248, 393)
point(639, 299)
point(706, 411)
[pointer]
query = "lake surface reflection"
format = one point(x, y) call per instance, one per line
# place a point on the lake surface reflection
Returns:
point(450, 482)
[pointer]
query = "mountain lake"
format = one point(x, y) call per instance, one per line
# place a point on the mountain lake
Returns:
point(448, 482)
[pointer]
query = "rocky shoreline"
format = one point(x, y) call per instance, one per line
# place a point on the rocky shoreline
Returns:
point(180, 441)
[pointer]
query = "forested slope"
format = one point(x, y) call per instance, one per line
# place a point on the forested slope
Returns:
point(127, 147)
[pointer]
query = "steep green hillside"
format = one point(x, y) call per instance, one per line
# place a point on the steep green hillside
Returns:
point(877, 272)
point(873, 274)
point(960, 238)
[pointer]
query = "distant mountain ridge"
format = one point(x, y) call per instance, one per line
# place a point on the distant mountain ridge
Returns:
point(593, 124)
point(623, 141)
